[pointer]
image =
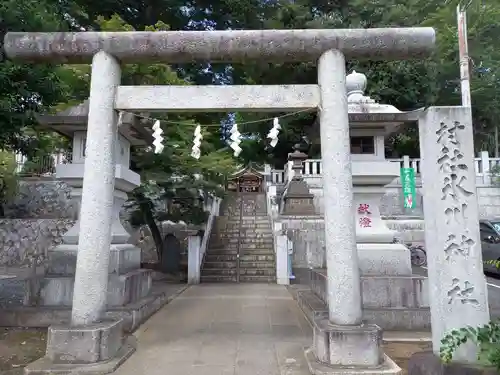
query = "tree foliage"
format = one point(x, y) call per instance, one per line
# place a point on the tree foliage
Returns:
point(8, 179)
point(26, 89)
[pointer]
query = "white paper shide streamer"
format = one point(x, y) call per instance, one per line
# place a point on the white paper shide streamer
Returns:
point(195, 150)
point(274, 132)
point(158, 139)
point(235, 140)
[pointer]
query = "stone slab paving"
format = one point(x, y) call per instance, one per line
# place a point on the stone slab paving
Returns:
point(224, 329)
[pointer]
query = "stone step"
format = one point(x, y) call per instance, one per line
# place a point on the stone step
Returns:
point(220, 265)
point(243, 241)
point(257, 257)
point(218, 279)
point(244, 219)
point(261, 265)
point(243, 271)
point(219, 271)
point(244, 233)
point(234, 264)
point(236, 216)
point(243, 251)
point(243, 258)
point(235, 228)
point(220, 258)
point(249, 223)
point(258, 279)
point(258, 271)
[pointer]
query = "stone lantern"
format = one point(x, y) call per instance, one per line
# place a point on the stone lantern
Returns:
point(125, 258)
point(297, 199)
point(370, 123)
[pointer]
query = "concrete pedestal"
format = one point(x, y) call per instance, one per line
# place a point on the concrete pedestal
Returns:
point(348, 350)
point(97, 348)
point(378, 255)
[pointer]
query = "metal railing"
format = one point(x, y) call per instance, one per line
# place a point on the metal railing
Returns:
point(44, 165)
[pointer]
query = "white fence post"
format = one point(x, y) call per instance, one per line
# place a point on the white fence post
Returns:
point(194, 266)
point(406, 161)
point(485, 167)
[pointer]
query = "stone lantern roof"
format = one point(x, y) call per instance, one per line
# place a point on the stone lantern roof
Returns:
point(365, 113)
point(75, 119)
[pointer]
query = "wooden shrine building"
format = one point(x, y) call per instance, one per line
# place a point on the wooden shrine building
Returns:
point(246, 180)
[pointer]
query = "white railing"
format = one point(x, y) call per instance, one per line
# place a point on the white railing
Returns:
point(483, 166)
point(277, 177)
point(197, 248)
point(214, 212)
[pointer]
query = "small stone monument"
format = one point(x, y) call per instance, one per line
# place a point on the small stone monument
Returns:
point(297, 198)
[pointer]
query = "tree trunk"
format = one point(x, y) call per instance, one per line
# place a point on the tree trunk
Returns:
point(145, 207)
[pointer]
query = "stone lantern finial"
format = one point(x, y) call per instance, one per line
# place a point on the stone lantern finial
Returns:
point(355, 84)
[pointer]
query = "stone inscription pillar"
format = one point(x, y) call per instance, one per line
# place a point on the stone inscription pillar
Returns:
point(91, 278)
point(458, 291)
point(344, 291)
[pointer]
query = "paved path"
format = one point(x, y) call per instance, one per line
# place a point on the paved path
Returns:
point(226, 329)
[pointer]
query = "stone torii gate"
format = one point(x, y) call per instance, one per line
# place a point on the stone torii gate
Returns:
point(341, 340)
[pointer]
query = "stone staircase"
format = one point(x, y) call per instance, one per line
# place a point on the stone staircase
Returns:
point(241, 244)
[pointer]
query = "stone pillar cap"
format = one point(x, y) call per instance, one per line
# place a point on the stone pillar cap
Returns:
point(297, 155)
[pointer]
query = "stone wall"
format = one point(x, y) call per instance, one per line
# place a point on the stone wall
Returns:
point(39, 198)
point(34, 221)
point(43, 211)
point(24, 242)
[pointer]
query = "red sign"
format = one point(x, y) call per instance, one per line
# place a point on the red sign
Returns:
point(365, 222)
point(364, 209)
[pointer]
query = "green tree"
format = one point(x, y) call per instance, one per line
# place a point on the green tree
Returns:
point(27, 89)
point(8, 179)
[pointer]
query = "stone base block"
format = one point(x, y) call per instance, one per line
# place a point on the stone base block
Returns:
point(19, 290)
point(395, 291)
point(381, 259)
point(347, 345)
point(122, 289)
point(86, 344)
point(123, 258)
point(387, 367)
point(44, 366)
point(389, 318)
point(427, 363)
point(133, 314)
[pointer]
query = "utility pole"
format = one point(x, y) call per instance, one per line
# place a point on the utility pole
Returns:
point(463, 52)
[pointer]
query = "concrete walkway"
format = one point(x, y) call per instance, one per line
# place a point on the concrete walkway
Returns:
point(224, 329)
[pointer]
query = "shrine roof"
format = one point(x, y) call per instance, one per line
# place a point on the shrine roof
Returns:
point(75, 118)
point(248, 170)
